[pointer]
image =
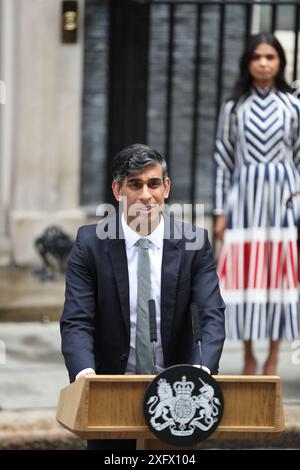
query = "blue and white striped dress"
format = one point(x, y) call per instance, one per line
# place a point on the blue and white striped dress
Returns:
point(257, 164)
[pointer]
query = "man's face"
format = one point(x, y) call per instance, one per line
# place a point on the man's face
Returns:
point(143, 196)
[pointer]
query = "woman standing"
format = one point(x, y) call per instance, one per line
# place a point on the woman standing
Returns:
point(257, 164)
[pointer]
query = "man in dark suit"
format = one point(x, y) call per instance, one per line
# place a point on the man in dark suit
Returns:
point(99, 321)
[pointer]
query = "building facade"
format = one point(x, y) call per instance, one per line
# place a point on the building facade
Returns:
point(58, 119)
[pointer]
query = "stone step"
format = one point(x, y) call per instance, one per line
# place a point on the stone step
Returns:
point(5, 251)
point(24, 297)
point(35, 429)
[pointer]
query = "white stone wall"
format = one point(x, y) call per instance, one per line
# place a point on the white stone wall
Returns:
point(47, 126)
point(7, 60)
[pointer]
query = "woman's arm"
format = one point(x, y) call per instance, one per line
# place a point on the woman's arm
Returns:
point(223, 166)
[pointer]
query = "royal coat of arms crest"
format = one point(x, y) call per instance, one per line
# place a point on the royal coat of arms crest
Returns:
point(183, 405)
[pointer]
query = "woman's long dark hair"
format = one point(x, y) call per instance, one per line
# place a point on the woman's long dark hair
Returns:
point(244, 82)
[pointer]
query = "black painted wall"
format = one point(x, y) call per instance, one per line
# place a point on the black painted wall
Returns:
point(104, 132)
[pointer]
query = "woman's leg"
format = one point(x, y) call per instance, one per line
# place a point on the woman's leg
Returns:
point(249, 359)
point(270, 367)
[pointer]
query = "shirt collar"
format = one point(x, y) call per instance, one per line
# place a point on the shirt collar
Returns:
point(131, 237)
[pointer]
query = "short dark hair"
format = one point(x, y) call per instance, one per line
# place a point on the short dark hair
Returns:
point(135, 158)
point(244, 82)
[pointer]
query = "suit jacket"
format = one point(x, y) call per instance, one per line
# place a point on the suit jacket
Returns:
point(95, 324)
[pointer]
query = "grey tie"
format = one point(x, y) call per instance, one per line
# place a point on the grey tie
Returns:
point(143, 345)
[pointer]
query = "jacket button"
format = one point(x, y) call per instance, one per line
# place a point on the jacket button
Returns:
point(123, 357)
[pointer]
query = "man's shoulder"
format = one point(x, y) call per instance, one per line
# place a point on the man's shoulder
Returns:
point(107, 228)
point(179, 230)
point(187, 227)
point(88, 233)
point(87, 230)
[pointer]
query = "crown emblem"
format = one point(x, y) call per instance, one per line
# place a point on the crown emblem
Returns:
point(183, 388)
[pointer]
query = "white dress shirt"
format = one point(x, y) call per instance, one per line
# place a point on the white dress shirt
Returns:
point(155, 255)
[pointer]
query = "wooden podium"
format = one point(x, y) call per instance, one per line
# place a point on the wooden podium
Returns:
point(111, 407)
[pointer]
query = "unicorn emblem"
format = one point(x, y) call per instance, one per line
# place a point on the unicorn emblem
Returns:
point(208, 405)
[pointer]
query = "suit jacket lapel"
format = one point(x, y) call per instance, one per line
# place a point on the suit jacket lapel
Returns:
point(117, 253)
point(169, 276)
